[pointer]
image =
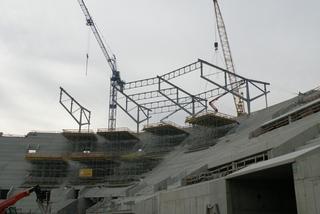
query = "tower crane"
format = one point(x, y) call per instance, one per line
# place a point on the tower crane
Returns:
point(235, 87)
point(116, 82)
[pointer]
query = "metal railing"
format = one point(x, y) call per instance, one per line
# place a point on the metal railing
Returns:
point(120, 129)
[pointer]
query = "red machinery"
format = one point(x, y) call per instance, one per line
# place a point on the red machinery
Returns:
point(5, 204)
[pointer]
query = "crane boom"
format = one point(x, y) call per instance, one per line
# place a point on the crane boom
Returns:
point(116, 82)
point(228, 59)
point(91, 24)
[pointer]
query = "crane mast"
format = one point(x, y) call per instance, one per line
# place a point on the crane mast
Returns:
point(235, 87)
point(116, 82)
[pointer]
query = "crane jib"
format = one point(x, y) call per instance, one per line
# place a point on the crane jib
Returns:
point(228, 59)
point(116, 81)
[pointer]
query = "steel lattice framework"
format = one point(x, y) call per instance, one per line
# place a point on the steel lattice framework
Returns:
point(167, 98)
point(79, 113)
point(141, 99)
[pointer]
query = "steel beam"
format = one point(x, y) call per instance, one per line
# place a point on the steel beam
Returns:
point(168, 76)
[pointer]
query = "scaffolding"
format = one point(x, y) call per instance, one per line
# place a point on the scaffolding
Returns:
point(47, 170)
point(116, 162)
point(163, 138)
point(112, 170)
point(99, 164)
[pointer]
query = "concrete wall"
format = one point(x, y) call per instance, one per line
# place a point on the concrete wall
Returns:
point(13, 167)
point(300, 139)
point(148, 205)
point(187, 200)
point(307, 183)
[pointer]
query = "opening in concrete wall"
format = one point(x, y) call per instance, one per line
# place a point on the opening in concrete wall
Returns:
point(269, 191)
point(3, 193)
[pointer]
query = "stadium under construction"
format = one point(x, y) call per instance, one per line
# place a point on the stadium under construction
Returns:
point(264, 161)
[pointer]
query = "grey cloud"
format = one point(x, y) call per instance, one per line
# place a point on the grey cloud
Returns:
point(46, 43)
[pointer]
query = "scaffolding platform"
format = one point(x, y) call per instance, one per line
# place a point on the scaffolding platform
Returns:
point(75, 135)
point(45, 157)
point(86, 181)
point(121, 181)
point(80, 156)
point(46, 183)
point(131, 156)
point(138, 156)
point(167, 128)
point(211, 119)
point(156, 155)
point(117, 134)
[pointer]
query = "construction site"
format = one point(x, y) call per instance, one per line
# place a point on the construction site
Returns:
point(256, 162)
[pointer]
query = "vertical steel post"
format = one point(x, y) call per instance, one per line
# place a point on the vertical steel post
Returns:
point(80, 120)
point(248, 98)
point(138, 118)
point(266, 95)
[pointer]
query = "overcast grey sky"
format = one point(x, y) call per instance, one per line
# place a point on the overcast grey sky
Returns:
point(43, 46)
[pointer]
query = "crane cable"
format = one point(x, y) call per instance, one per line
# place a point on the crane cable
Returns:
point(88, 50)
point(215, 53)
point(216, 45)
point(89, 45)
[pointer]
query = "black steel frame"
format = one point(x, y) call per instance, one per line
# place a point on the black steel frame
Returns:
point(74, 106)
point(167, 97)
point(142, 114)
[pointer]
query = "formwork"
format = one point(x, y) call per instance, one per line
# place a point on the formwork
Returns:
point(164, 128)
point(75, 135)
point(117, 134)
point(118, 141)
point(211, 119)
